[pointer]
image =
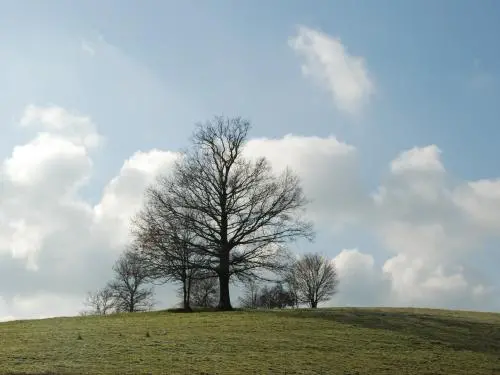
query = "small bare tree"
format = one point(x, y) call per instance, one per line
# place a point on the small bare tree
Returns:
point(100, 302)
point(279, 297)
point(291, 283)
point(251, 295)
point(204, 292)
point(166, 254)
point(237, 212)
point(128, 286)
point(267, 296)
point(314, 279)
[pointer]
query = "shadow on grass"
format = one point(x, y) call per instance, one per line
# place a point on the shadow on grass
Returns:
point(456, 333)
point(198, 310)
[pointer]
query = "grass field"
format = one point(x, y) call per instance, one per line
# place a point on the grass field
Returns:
point(336, 341)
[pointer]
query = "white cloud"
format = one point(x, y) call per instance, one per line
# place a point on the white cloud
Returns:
point(123, 196)
point(414, 214)
point(53, 153)
point(40, 181)
point(54, 245)
point(328, 63)
point(421, 220)
point(328, 169)
point(423, 159)
point(481, 201)
point(361, 282)
point(59, 121)
point(25, 240)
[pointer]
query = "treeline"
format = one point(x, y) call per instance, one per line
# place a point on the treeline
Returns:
point(219, 218)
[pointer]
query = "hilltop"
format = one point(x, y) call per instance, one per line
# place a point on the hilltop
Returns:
point(326, 341)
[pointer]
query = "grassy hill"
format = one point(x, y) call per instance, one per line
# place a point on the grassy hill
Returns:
point(333, 341)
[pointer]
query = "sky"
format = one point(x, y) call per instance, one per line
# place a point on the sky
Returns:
point(387, 110)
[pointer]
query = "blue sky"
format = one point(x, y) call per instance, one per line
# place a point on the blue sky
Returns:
point(145, 72)
point(435, 64)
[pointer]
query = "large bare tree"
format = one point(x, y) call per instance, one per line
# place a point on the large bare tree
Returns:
point(239, 214)
point(312, 279)
point(129, 289)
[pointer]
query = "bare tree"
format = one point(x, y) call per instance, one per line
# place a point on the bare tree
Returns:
point(267, 297)
point(279, 297)
point(101, 302)
point(204, 292)
point(128, 286)
point(238, 213)
point(166, 254)
point(314, 279)
point(292, 286)
point(251, 294)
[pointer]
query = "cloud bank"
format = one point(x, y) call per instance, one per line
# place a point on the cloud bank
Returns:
point(55, 245)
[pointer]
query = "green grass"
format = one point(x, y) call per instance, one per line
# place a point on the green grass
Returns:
point(329, 341)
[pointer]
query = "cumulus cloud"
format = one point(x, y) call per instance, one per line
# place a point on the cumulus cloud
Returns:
point(418, 159)
point(124, 194)
point(327, 62)
point(53, 243)
point(40, 180)
point(328, 168)
point(362, 283)
point(55, 246)
point(418, 215)
point(423, 221)
point(481, 201)
point(74, 127)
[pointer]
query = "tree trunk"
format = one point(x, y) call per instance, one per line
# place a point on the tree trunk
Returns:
point(186, 306)
point(131, 306)
point(224, 297)
point(185, 300)
point(188, 298)
point(314, 304)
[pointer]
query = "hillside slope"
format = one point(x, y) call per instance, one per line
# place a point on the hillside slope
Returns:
point(334, 341)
